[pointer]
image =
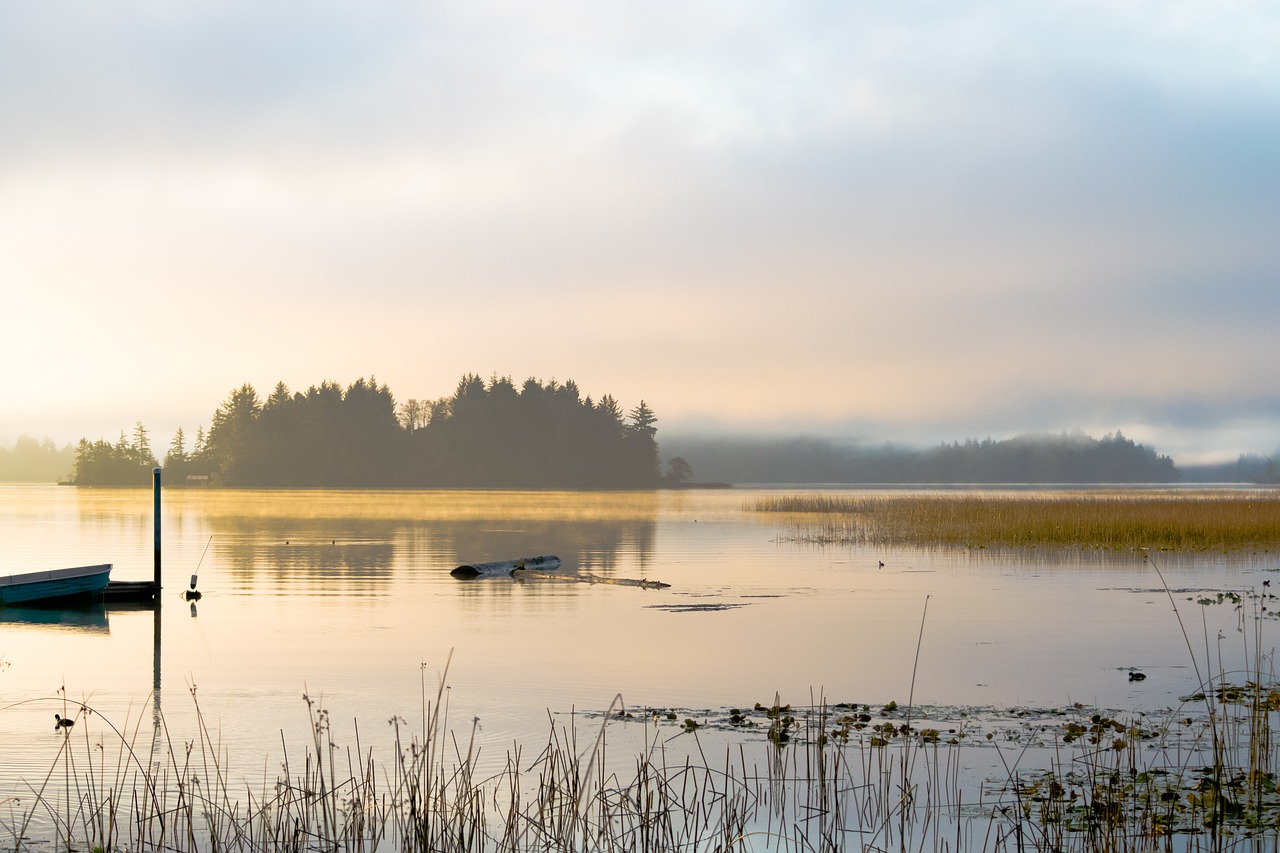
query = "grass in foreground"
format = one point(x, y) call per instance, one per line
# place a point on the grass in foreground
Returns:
point(1200, 776)
point(814, 778)
point(828, 778)
point(1183, 521)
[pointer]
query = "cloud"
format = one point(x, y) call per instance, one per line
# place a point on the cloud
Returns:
point(909, 219)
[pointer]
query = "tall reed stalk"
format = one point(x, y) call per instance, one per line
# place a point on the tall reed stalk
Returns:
point(819, 777)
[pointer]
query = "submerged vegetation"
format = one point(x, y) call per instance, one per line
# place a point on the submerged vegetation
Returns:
point(830, 777)
point(1168, 521)
point(1199, 774)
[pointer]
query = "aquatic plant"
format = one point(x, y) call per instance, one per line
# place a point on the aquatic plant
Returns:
point(1207, 520)
point(765, 776)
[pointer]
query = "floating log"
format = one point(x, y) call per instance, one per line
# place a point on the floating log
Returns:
point(643, 583)
point(505, 567)
point(540, 568)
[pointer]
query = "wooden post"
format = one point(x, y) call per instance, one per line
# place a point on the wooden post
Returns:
point(155, 613)
point(155, 490)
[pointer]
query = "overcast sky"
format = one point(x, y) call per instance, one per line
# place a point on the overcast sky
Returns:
point(909, 221)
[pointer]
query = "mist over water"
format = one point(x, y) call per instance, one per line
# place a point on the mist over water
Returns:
point(347, 597)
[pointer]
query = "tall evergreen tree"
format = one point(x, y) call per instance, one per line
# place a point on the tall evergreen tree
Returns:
point(230, 447)
point(641, 435)
point(486, 434)
point(125, 463)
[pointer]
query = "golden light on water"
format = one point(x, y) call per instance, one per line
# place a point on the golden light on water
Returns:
point(348, 596)
point(444, 505)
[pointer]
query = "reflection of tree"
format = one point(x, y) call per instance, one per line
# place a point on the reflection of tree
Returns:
point(597, 546)
point(338, 552)
point(322, 550)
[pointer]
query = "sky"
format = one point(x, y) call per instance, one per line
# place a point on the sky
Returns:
point(911, 222)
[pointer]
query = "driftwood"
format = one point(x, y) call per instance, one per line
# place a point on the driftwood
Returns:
point(541, 569)
point(505, 567)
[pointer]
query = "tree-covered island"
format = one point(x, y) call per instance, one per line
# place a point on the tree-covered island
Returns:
point(548, 435)
point(485, 435)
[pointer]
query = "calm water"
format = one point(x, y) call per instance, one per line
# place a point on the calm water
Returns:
point(347, 596)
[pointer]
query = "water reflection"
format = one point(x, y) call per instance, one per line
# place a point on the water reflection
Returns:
point(88, 618)
point(349, 593)
point(362, 542)
point(281, 548)
point(597, 545)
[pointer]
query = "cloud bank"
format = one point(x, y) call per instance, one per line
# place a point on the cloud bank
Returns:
point(923, 221)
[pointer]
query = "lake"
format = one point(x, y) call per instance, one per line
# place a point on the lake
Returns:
point(346, 597)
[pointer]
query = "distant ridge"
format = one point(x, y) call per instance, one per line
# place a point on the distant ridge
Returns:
point(1069, 458)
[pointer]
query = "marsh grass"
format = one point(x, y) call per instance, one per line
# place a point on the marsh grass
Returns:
point(813, 792)
point(1191, 781)
point(1168, 521)
point(847, 777)
point(817, 777)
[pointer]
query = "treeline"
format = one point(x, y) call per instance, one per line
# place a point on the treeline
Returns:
point(485, 435)
point(1066, 458)
point(493, 434)
point(33, 460)
point(127, 462)
point(1248, 468)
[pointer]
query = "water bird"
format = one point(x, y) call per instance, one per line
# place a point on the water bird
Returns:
point(882, 564)
point(1137, 676)
point(61, 722)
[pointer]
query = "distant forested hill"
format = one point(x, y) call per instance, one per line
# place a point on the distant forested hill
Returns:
point(493, 434)
point(485, 435)
point(1248, 468)
point(35, 461)
point(1066, 458)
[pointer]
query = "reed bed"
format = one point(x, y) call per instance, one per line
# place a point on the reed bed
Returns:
point(801, 791)
point(815, 778)
point(820, 777)
point(1178, 522)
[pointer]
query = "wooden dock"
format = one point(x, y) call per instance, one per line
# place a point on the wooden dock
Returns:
point(143, 591)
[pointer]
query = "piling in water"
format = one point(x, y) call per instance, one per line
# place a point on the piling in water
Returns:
point(155, 515)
